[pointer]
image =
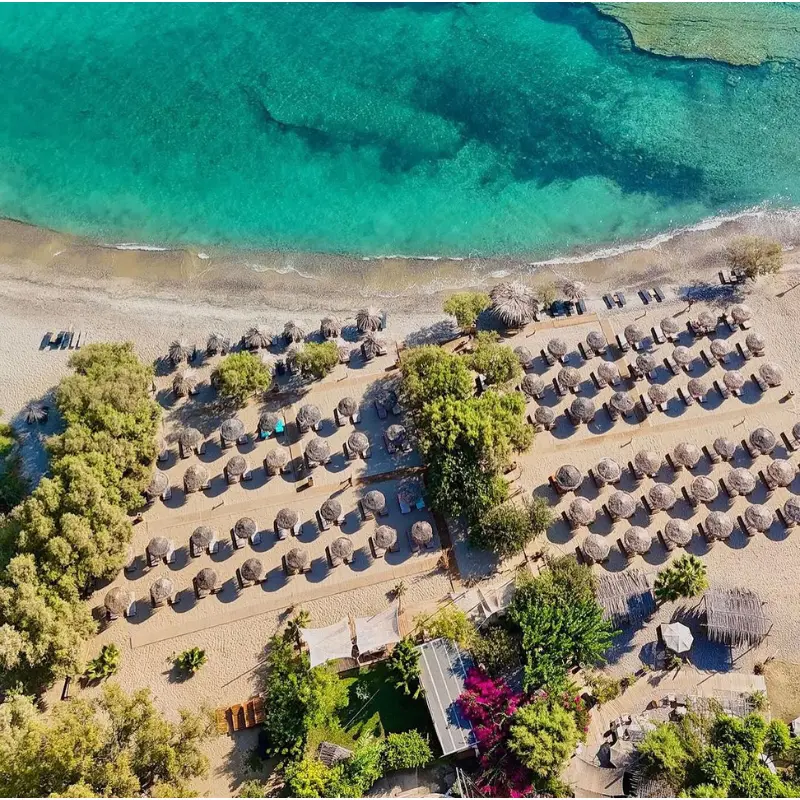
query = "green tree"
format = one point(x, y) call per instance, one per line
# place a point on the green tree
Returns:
point(466, 307)
point(407, 750)
point(546, 294)
point(754, 255)
point(543, 735)
point(191, 660)
point(604, 688)
point(318, 359)
point(309, 777)
point(498, 650)
point(507, 529)
point(685, 577)
point(106, 664)
point(777, 740)
point(496, 362)
point(404, 665)
point(252, 789)
point(662, 751)
point(450, 623)
point(241, 375)
point(431, 373)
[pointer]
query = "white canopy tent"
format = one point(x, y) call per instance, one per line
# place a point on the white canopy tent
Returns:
point(328, 644)
point(376, 632)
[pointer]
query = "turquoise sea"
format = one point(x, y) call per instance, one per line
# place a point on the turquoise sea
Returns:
point(377, 129)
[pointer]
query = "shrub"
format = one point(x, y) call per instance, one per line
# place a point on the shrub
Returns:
point(407, 750)
point(498, 650)
point(778, 740)
point(758, 700)
point(318, 359)
point(506, 529)
point(106, 664)
point(662, 751)
point(252, 789)
point(190, 661)
point(241, 375)
point(546, 294)
point(605, 688)
point(450, 623)
point(685, 577)
point(754, 255)
point(496, 362)
point(466, 307)
point(404, 665)
point(543, 735)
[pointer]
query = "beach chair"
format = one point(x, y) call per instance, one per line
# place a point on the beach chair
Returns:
point(46, 340)
point(647, 404)
point(581, 306)
point(607, 299)
point(659, 294)
point(583, 353)
point(382, 414)
point(707, 358)
point(762, 385)
point(782, 519)
point(746, 354)
point(790, 444)
point(644, 294)
point(620, 299)
point(744, 527)
point(622, 344)
point(724, 277)
point(560, 390)
point(658, 336)
point(687, 399)
point(712, 455)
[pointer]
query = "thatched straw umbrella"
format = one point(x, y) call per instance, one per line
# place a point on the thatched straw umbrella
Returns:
point(308, 416)
point(294, 331)
point(583, 409)
point(658, 394)
point(385, 537)
point(718, 525)
point(512, 304)
point(330, 327)
point(568, 478)
point(634, 334)
point(35, 412)
point(707, 322)
point(159, 484)
point(286, 519)
point(358, 443)
point(374, 501)
point(341, 549)
point(231, 431)
point(179, 352)
point(622, 402)
point(396, 434)
point(252, 570)
point(569, 377)
point(678, 532)
point(580, 512)
point(544, 416)
point(646, 363)
point(597, 342)
point(206, 580)
point(648, 462)
point(421, 533)
point(697, 388)
point(318, 451)
point(217, 343)
point(741, 313)
point(297, 560)
point(276, 460)
point(595, 549)
point(158, 547)
point(331, 510)
point(117, 601)
point(781, 472)
point(733, 380)
point(235, 468)
point(720, 349)
point(532, 385)
point(557, 348)
point(703, 489)
point(662, 497)
point(202, 538)
point(195, 478)
point(741, 481)
point(268, 422)
point(372, 347)
point(669, 326)
point(257, 338)
point(763, 440)
point(161, 589)
point(524, 356)
point(575, 290)
point(292, 355)
point(687, 454)
point(791, 511)
point(608, 371)
point(682, 356)
point(347, 407)
point(189, 439)
point(607, 471)
point(637, 540)
point(771, 373)
point(725, 448)
point(758, 517)
point(184, 383)
point(345, 352)
point(621, 505)
point(755, 343)
point(369, 320)
point(245, 528)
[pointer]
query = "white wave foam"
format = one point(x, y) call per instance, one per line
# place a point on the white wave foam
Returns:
point(253, 267)
point(134, 246)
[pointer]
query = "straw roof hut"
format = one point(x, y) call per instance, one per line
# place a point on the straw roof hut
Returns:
point(286, 519)
point(179, 352)
point(647, 462)
point(687, 454)
point(678, 532)
point(118, 600)
point(161, 589)
point(725, 448)
point(771, 373)
point(608, 470)
point(308, 416)
point(720, 348)
point(568, 478)
point(595, 549)
point(257, 338)
point(662, 496)
point(236, 466)
point(532, 385)
point(557, 347)
point(202, 538)
point(703, 489)
point(524, 356)
point(763, 440)
point(297, 560)
point(330, 327)
point(626, 597)
point(637, 540)
point(35, 412)
point(622, 402)
point(735, 617)
point(159, 547)
point(268, 421)
point(292, 355)
point(544, 416)
point(697, 388)
point(252, 570)
point(741, 313)
point(682, 355)
point(621, 505)
point(421, 533)
point(276, 459)
point(791, 510)
point(159, 484)
point(512, 304)
point(244, 528)
point(206, 580)
point(718, 525)
point(633, 334)
point(658, 394)
point(755, 342)
point(331, 510)
point(707, 322)
point(217, 343)
point(569, 377)
point(580, 512)
point(758, 517)
point(575, 290)
point(231, 430)
point(741, 481)
point(733, 380)
point(358, 442)
point(781, 472)
point(372, 347)
point(195, 478)
point(669, 326)
point(374, 501)
point(189, 439)
point(396, 434)
point(596, 341)
point(369, 319)
point(347, 406)
point(341, 549)
point(385, 537)
point(646, 362)
point(184, 383)
point(294, 331)
point(583, 409)
point(318, 450)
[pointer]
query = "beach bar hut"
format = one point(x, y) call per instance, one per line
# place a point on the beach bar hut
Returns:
point(119, 602)
point(735, 617)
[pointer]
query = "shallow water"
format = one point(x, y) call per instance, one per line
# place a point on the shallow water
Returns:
point(376, 129)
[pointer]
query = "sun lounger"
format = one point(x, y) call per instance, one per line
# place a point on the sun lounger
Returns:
point(584, 355)
point(547, 358)
point(781, 518)
point(744, 527)
point(658, 336)
point(759, 382)
point(722, 389)
point(561, 391)
point(608, 300)
point(712, 455)
point(744, 353)
point(659, 294)
point(382, 414)
point(647, 507)
point(644, 294)
point(620, 299)
point(611, 411)
point(581, 306)
point(790, 444)
point(706, 358)
point(687, 399)
point(647, 404)
point(623, 346)
point(46, 340)
point(725, 277)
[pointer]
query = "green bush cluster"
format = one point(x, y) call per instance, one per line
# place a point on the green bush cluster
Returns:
point(466, 307)
point(240, 376)
point(318, 360)
point(506, 529)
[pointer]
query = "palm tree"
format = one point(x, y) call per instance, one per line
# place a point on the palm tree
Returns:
point(398, 592)
point(404, 664)
point(296, 624)
point(686, 577)
point(574, 290)
point(105, 665)
point(191, 660)
point(179, 352)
